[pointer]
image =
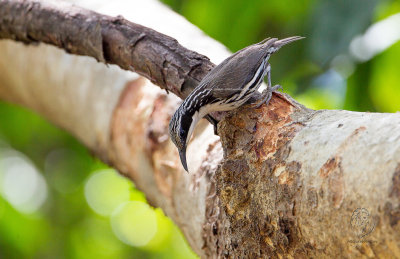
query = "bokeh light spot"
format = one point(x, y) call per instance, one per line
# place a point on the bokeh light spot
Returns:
point(106, 190)
point(21, 184)
point(377, 38)
point(134, 223)
point(163, 234)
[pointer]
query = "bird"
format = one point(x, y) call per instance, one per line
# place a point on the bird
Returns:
point(226, 87)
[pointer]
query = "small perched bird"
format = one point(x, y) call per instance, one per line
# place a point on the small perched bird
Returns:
point(226, 87)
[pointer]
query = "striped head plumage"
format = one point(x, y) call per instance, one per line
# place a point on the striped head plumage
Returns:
point(179, 126)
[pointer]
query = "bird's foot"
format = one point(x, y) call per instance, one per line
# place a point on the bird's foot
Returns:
point(215, 128)
point(214, 122)
point(267, 94)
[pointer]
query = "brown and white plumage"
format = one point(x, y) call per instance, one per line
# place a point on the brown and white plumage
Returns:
point(228, 86)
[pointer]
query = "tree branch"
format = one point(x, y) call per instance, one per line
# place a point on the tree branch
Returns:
point(111, 40)
point(293, 182)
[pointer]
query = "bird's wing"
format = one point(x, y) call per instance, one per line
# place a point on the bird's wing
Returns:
point(235, 75)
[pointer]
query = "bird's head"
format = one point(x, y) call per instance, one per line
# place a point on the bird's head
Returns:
point(179, 127)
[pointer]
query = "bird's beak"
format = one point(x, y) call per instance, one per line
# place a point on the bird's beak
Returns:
point(280, 43)
point(182, 155)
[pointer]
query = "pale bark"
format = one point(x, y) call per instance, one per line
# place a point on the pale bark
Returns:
point(290, 178)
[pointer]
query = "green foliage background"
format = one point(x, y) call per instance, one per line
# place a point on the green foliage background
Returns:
point(318, 72)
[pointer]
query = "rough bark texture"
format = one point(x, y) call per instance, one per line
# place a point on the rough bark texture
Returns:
point(301, 183)
point(112, 40)
point(292, 182)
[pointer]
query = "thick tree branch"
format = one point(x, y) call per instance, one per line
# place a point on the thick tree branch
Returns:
point(112, 40)
point(293, 182)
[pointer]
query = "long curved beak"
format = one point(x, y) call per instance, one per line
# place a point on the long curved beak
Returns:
point(182, 155)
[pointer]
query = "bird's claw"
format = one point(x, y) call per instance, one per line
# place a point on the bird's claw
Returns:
point(276, 88)
point(214, 122)
point(267, 94)
point(215, 129)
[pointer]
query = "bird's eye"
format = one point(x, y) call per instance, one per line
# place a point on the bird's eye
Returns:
point(182, 133)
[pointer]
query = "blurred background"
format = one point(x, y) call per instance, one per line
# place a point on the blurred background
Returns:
point(58, 201)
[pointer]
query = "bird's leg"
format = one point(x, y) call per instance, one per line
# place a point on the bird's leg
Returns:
point(267, 93)
point(214, 122)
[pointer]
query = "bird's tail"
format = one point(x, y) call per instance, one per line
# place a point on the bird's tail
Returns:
point(280, 43)
point(274, 44)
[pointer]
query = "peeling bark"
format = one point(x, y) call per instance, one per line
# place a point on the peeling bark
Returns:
point(292, 180)
point(282, 181)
